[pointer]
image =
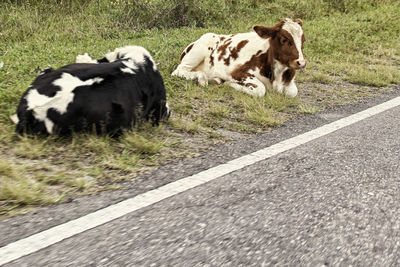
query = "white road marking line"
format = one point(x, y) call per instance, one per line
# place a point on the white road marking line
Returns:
point(58, 233)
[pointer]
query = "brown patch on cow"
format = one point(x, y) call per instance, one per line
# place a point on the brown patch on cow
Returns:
point(189, 47)
point(227, 61)
point(235, 51)
point(259, 60)
point(222, 38)
point(288, 75)
point(182, 56)
point(283, 49)
point(186, 51)
point(250, 84)
point(282, 45)
point(222, 49)
point(268, 32)
point(212, 58)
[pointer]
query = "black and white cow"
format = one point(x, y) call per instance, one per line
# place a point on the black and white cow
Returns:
point(108, 97)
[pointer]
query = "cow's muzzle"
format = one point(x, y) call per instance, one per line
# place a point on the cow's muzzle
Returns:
point(301, 63)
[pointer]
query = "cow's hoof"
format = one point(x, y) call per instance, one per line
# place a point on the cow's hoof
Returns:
point(203, 83)
point(202, 79)
point(218, 81)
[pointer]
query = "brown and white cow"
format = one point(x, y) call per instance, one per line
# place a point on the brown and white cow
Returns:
point(249, 62)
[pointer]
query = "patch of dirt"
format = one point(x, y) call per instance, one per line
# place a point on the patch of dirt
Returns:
point(337, 94)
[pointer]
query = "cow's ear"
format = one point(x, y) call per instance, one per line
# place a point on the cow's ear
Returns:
point(265, 32)
point(300, 22)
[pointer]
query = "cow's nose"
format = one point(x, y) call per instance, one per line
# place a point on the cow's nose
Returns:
point(301, 63)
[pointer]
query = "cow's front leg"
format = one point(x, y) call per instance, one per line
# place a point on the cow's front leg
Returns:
point(291, 89)
point(251, 86)
point(285, 83)
point(278, 86)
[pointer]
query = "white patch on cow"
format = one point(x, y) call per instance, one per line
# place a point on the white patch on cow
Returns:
point(97, 80)
point(278, 84)
point(291, 89)
point(265, 80)
point(85, 58)
point(134, 53)
point(297, 32)
point(251, 85)
point(195, 57)
point(40, 104)
point(127, 70)
point(168, 110)
point(14, 118)
point(49, 125)
point(257, 90)
point(192, 75)
point(130, 64)
point(279, 69)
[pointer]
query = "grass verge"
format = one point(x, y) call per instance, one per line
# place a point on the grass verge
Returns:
point(352, 49)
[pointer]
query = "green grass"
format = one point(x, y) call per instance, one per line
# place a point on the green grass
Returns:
point(352, 48)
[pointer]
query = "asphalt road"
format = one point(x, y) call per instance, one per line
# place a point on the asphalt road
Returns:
point(334, 201)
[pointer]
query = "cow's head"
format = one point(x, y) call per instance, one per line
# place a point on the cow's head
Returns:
point(287, 38)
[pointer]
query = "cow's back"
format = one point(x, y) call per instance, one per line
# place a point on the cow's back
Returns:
point(231, 51)
point(79, 97)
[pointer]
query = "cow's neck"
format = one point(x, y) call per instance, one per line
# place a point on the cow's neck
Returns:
point(275, 67)
point(267, 63)
point(278, 69)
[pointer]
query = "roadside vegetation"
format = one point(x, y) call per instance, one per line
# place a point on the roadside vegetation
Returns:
point(352, 49)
